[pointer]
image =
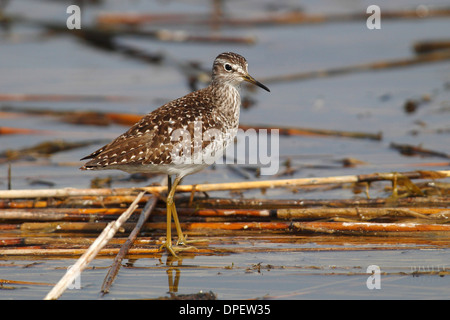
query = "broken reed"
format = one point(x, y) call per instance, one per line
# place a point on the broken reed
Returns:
point(230, 186)
point(300, 211)
point(81, 207)
point(29, 224)
point(286, 18)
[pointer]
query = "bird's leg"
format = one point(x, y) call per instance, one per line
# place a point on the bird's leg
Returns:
point(181, 237)
point(168, 243)
point(173, 210)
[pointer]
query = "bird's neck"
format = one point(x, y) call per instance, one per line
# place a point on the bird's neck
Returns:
point(227, 101)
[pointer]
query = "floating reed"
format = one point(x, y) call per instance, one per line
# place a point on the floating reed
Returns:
point(205, 227)
point(431, 45)
point(296, 131)
point(60, 98)
point(106, 118)
point(266, 184)
point(156, 252)
point(287, 18)
point(124, 250)
point(43, 149)
point(65, 222)
point(74, 221)
point(91, 253)
point(432, 57)
point(32, 283)
point(367, 228)
point(410, 150)
point(10, 130)
point(232, 203)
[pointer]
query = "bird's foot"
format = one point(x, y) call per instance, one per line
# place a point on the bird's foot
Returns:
point(181, 245)
point(169, 247)
point(182, 241)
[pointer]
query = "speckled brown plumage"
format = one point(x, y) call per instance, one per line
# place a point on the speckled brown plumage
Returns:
point(149, 146)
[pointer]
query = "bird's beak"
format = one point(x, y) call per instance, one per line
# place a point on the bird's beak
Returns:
point(250, 79)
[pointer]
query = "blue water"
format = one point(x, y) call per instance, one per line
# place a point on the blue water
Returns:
point(34, 62)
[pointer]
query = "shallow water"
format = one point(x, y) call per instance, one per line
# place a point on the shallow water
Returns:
point(301, 275)
point(33, 62)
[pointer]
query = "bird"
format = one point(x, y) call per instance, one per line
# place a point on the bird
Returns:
point(182, 137)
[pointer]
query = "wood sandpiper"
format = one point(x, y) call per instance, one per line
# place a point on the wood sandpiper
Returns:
point(183, 136)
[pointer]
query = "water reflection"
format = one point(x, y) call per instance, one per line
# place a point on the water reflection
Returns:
point(173, 273)
point(173, 270)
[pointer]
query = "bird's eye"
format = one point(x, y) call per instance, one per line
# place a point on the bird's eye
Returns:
point(228, 67)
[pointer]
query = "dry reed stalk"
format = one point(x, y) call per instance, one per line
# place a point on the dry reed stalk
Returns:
point(410, 150)
point(40, 216)
point(10, 242)
point(363, 213)
point(10, 130)
point(427, 164)
point(32, 283)
point(70, 240)
point(222, 203)
point(318, 249)
point(317, 226)
point(295, 131)
point(62, 241)
point(73, 215)
point(101, 118)
point(264, 213)
point(266, 184)
point(60, 214)
point(9, 227)
point(42, 149)
point(365, 227)
point(90, 254)
point(60, 97)
point(416, 215)
point(433, 45)
point(238, 225)
point(237, 238)
point(50, 227)
point(243, 239)
point(63, 193)
point(113, 271)
point(123, 118)
point(155, 252)
point(378, 65)
point(286, 18)
point(96, 205)
point(71, 252)
point(102, 201)
point(61, 226)
point(26, 204)
point(83, 117)
point(104, 37)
